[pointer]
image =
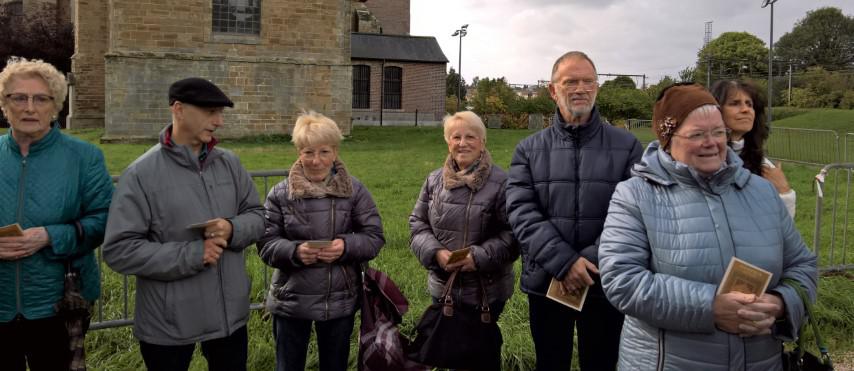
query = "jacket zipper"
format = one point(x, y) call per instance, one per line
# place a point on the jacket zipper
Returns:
point(465, 238)
point(19, 217)
point(329, 267)
point(660, 350)
point(577, 140)
point(218, 266)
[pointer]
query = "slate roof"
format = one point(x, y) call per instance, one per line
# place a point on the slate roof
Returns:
point(423, 49)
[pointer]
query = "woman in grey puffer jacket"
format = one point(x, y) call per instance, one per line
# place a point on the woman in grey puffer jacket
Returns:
point(671, 231)
point(462, 205)
point(317, 282)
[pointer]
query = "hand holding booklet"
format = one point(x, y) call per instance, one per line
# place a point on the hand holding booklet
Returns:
point(318, 244)
point(745, 278)
point(574, 300)
point(11, 230)
point(458, 255)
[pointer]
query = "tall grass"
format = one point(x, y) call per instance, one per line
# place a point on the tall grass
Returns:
point(393, 162)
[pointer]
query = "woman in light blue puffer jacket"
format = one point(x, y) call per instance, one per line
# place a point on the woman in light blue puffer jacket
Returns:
point(670, 233)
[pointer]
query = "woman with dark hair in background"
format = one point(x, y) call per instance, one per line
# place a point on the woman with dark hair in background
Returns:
point(743, 109)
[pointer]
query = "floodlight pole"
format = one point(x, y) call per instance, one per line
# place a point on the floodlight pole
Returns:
point(770, 61)
point(460, 32)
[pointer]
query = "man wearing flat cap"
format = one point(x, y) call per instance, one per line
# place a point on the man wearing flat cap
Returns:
point(181, 216)
point(560, 184)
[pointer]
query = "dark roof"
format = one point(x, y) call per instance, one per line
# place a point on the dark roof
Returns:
point(396, 48)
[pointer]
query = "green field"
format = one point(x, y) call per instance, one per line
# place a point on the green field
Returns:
point(393, 163)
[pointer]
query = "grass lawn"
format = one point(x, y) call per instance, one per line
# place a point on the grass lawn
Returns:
point(393, 163)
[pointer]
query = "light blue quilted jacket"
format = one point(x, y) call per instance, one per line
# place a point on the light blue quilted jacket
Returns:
point(668, 238)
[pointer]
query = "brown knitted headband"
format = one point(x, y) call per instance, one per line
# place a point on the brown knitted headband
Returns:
point(674, 104)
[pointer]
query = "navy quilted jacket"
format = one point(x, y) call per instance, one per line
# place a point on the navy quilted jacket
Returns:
point(61, 181)
point(668, 239)
point(560, 182)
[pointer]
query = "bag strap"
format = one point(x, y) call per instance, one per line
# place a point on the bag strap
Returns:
point(485, 315)
point(822, 348)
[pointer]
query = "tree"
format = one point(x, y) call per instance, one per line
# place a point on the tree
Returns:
point(492, 96)
point(618, 103)
point(653, 90)
point(687, 74)
point(620, 82)
point(824, 38)
point(731, 55)
point(452, 84)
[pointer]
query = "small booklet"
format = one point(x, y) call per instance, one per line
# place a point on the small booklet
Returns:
point(11, 230)
point(318, 244)
point(458, 255)
point(744, 277)
point(202, 224)
point(569, 299)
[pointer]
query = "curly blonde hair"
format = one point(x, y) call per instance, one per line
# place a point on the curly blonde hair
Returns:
point(313, 129)
point(17, 67)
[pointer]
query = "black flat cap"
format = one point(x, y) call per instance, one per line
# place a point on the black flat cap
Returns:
point(198, 92)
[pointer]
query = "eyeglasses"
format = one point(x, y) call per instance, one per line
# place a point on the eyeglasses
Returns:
point(585, 84)
point(700, 136)
point(21, 99)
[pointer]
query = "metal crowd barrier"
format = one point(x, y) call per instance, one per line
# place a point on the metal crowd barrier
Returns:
point(637, 124)
point(833, 253)
point(99, 321)
point(808, 146)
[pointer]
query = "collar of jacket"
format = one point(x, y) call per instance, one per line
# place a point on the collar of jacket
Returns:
point(182, 154)
point(300, 187)
point(582, 132)
point(474, 180)
point(657, 166)
point(40, 145)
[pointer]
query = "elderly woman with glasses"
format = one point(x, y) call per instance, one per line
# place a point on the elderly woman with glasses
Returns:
point(462, 206)
point(321, 225)
point(57, 190)
point(672, 230)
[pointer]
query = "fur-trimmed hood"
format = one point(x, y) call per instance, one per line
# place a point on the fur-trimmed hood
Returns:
point(300, 187)
point(474, 180)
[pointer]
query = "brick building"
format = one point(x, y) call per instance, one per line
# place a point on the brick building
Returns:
point(272, 57)
point(398, 79)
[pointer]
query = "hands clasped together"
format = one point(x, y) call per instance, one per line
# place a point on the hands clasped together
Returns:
point(309, 255)
point(746, 314)
point(19, 247)
point(217, 234)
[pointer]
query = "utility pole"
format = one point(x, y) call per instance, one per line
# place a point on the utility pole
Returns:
point(706, 39)
point(789, 101)
point(770, 61)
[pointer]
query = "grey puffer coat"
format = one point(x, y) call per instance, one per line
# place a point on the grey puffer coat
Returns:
point(455, 211)
point(298, 210)
point(668, 239)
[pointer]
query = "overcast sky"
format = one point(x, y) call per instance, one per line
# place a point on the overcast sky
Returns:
point(520, 39)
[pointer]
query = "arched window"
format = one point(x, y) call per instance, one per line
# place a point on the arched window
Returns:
point(237, 16)
point(393, 87)
point(361, 86)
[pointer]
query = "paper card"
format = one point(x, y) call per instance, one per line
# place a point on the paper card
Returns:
point(458, 255)
point(11, 230)
point(202, 224)
point(744, 277)
point(569, 299)
point(318, 244)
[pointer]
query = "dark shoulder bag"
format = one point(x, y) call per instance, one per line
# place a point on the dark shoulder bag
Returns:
point(799, 359)
point(74, 310)
point(457, 336)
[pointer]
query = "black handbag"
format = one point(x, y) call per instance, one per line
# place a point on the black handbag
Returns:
point(799, 359)
point(458, 336)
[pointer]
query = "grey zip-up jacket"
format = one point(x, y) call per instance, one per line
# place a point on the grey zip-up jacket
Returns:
point(668, 239)
point(455, 211)
point(298, 210)
point(178, 299)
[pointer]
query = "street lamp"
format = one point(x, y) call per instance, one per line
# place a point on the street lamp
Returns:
point(770, 60)
point(461, 33)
